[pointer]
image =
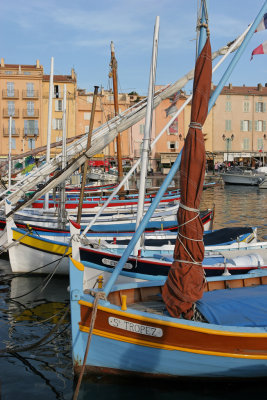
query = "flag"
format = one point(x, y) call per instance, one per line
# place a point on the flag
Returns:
point(263, 24)
point(172, 108)
point(261, 49)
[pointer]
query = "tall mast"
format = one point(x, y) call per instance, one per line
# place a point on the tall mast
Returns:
point(113, 64)
point(89, 138)
point(49, 122)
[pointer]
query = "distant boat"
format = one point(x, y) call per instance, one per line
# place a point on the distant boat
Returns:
point(241, 176)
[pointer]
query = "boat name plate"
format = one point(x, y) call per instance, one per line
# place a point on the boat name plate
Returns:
point(134, 327)
point(113, 263)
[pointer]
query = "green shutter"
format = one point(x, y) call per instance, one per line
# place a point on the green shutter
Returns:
point(257, 107)
point(256, 126)
point(250, 126)
point(241, 126)
point(264, 107)
point(264, 126)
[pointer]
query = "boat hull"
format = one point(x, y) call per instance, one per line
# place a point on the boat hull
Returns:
point(131, 341)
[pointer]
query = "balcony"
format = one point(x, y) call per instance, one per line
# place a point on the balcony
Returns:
point(14, 132)
point(11, 113)
point(30, 132)
point(30, 113)
point(30, 94)
point(10, 94)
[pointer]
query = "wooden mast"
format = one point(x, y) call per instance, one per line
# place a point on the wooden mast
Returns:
point(87, 148)
point(113, 65)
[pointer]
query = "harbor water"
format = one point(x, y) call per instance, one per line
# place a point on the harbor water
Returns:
point(35, 326)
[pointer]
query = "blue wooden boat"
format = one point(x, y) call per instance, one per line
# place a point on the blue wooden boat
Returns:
point(185, 326)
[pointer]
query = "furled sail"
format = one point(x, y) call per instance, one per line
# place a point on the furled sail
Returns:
point(185, 282)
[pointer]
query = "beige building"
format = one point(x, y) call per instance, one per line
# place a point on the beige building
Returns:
point(104, 111)
point(59, 81)
point(239, 124)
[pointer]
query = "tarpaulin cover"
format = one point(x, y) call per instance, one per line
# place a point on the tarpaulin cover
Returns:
point(185, 282)
point(244, 306)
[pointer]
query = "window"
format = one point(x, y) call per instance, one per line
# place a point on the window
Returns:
point(173, 128)
point(30, 108)
point(30, 89)
point(31, 144)
point(57, 91)
point(142, 129)
point(245, 126)
point(12, 126)
point(260, 126)
point(13, 144)
point(86, 129)
point(171, 145)
point(89, 99)
point(246, 106)
point(87, 116)
point(228, 106)
point(8, 72)
point(228, 125)
point(57, 124)
point(10, 89)
point(11, 108)
point(245, 144)
point(111, 97)
point(30, 127)
point(228, 145)
point(58, 105)
point(260, 143)
point(228, 96)
point(260, 106)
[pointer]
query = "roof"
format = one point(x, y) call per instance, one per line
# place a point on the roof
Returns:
point(258, 90)
point(59, 78)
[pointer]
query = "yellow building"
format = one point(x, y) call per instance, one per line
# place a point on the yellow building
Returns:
point(21, 99)
point(24, 98)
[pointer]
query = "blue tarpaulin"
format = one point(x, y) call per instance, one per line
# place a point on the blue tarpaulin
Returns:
point(246, 306)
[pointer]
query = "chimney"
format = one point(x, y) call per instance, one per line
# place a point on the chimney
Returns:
point(230, 86)
point(259, 87)
point(37, 64)
point(73, 75)
point(2, 62)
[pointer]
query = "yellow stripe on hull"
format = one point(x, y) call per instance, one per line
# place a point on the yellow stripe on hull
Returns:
point(39, 244)
point(155, 345)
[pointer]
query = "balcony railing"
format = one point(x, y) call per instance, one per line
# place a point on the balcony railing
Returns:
point(31, 132)
point(11, 113)
point(14, 131)
point(30, 113)
point(30, 94)
point(10, 94)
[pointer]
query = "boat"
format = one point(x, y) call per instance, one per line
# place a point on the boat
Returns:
point(241, 176)
point(45, 250)
point(186, 325)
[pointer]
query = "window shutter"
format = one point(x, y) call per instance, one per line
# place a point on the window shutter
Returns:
point(168, 145)
point(256, 126)
point(250, 125)
point(264, 126)
point(257, 107)
point(264, 107)
point(241, 126)
point(54, 124)
point(176, 145)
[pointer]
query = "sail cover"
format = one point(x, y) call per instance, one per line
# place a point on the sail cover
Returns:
point(185, 282)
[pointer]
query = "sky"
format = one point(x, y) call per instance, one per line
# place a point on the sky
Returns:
point(78, 35)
